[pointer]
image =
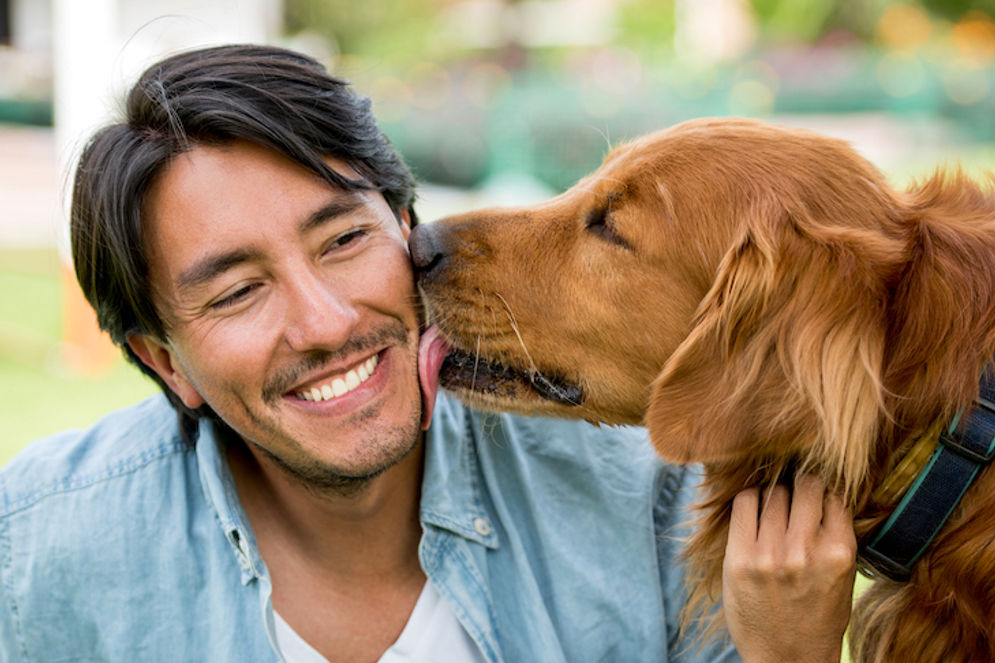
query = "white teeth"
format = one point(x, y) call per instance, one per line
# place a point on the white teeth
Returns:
point(340, 386)
point(351, 380)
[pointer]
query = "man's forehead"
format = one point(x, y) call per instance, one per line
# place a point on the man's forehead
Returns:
point(240, 149)
point(216, 177)
point(232, 197)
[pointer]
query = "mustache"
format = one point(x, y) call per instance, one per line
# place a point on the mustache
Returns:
point(282, 380)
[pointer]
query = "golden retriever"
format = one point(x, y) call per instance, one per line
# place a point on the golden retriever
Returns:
point(762, 300)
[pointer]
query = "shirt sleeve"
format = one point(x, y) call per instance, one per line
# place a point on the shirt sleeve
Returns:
point(676, 496)
point(10, 647)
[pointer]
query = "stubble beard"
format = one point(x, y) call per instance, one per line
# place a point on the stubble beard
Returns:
point(382, 450)
point(386, 449)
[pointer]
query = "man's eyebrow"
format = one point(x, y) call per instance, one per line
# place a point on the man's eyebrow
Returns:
point(207, 268)
point(344, 203)
point(211, 266)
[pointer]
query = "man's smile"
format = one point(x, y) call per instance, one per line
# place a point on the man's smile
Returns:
point(331, 387)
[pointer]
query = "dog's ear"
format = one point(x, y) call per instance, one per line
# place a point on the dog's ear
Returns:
point(785, 353)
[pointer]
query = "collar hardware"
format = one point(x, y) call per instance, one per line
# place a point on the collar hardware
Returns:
point(969, 448)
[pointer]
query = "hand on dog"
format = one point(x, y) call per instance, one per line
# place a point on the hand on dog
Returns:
point(788, 574)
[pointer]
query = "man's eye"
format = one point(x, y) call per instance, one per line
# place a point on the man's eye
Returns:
point(346, 238)
point(233, 298)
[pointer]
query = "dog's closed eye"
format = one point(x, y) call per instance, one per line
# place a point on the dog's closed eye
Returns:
point(599, 223)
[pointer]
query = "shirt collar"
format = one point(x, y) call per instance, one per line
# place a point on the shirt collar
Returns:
point(219, 488)
point(450, 499)
point(451, 487)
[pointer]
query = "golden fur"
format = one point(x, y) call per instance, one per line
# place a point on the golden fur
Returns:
point(762, 300)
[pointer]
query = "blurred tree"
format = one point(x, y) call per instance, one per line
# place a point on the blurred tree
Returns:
point(955, 9)
point(808, 21)
point(391, 30)
point(646, 26)
point(803, 20)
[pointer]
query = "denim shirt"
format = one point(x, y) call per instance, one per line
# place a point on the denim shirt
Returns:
point(551, 540)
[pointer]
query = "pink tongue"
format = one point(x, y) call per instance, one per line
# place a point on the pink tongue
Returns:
point(432, 349)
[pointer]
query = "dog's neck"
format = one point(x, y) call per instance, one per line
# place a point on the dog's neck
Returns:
point(928, 482)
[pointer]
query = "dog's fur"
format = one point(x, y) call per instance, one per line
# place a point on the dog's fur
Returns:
point(760, 298)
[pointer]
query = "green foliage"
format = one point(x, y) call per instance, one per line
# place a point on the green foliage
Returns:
point(801, 19)
point(807, 21)
point(393, 31)
point(646, 26)
point(954, 9)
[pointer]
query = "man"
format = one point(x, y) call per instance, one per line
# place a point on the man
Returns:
point(242, 235)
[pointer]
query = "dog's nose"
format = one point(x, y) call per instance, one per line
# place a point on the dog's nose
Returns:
point(426, 254)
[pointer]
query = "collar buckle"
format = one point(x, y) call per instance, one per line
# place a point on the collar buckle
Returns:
point(972, 436)
point(958, 447)
point(875, 564)
point(965, 447)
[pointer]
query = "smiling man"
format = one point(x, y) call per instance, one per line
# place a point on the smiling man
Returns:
point(289, 310)
point(288, 305)
point(299, 492)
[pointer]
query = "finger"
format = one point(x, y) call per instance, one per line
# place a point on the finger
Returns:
point(806, 507)
point(837, 519)
point(743, 521)
point(838, 543)
point(773, 518)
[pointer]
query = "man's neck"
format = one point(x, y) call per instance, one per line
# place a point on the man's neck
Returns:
point(344, 568)
point(371, 531)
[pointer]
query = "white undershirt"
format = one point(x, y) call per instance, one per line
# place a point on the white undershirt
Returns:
point(432, 635)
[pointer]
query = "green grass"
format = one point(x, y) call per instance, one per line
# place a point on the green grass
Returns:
point(40, 394)
point(39, 402)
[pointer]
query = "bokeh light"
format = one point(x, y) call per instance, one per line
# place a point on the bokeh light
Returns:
point(904, 27)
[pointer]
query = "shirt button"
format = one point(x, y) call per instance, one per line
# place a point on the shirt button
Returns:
point(482, 526)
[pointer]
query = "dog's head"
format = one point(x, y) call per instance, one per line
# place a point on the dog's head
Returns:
point(728, 283)
point(572, 306)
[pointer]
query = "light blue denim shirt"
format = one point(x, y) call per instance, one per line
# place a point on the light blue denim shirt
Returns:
point(550, 540)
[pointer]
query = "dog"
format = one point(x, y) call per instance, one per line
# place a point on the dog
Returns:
point(762, 300)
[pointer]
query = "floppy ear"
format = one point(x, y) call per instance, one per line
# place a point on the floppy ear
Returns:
point(785, 354)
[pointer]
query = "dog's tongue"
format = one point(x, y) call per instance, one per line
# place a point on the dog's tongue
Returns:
point(432, 350)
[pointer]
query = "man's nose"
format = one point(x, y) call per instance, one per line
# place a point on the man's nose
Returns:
point(319, 315)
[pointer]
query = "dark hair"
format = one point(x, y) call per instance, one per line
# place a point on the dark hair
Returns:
point(269, 96)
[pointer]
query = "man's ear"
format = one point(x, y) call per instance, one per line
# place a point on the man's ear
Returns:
point(159, 357)
point(405, 223)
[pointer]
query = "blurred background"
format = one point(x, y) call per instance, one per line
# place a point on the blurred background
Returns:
point(490, 101)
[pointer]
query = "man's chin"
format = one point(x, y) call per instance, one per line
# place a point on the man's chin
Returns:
point(381, 452)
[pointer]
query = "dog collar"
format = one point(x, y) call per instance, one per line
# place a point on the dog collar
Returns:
point(965, 447)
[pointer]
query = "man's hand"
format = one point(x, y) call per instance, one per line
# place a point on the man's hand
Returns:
point(788, 574)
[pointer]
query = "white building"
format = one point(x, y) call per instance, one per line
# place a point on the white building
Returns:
point(82, 55)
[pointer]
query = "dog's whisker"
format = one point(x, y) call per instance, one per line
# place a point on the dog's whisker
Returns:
point(514, 326)
point(476, 363)
point(532, 365)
